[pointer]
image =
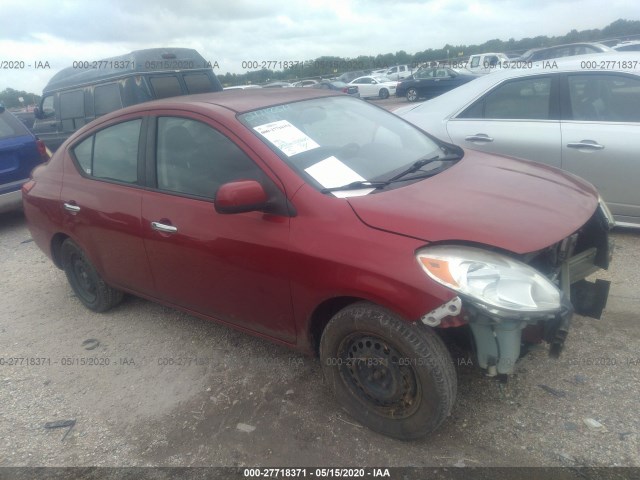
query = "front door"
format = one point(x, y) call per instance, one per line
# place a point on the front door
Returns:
point(231, 267)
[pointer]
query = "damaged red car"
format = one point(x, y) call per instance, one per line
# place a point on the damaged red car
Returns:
point(331, 226)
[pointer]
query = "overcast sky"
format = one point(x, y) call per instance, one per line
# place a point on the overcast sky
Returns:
point(233, 31)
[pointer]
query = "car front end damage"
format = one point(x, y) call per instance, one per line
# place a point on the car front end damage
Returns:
point(509, 299)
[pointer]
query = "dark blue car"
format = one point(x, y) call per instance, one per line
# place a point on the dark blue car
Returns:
point(20, 152)
point(431, 82)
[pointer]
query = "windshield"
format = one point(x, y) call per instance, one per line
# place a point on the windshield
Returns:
point(335, 141)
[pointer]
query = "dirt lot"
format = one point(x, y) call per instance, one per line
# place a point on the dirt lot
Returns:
point(150, 386)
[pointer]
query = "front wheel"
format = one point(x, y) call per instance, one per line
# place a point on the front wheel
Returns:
point(412, 95)
point(85, 280)
point(383, 93)
point(393, 377)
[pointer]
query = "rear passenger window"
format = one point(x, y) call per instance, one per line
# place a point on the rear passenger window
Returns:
point(605, 98)
point(195, 159)
point(112, 153)
point(526, 99)
point(198, 83)
point(106, 99)
point(10, 126)
point(167, 86)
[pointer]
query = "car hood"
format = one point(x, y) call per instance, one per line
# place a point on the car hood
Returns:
point(488, 199)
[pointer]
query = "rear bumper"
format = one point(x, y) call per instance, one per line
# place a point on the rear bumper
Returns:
point(11, 197)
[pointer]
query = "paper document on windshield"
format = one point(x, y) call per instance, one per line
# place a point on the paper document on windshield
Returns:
point(289, 139)
point(331, 172)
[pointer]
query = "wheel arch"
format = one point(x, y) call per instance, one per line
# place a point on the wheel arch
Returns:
point(321, 316)
point(56, 248)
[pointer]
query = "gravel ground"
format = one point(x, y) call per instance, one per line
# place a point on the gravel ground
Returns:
point(230, 399)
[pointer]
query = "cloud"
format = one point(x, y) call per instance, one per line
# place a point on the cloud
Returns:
point(239, 30)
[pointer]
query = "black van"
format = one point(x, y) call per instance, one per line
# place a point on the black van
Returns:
point(78, 94)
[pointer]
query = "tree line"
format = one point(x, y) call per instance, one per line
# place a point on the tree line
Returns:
point(330, 66)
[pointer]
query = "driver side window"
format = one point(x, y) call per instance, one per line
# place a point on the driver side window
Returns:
point(195, 159)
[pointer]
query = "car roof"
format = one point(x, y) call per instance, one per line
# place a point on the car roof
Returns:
point(136, 62)
point(237, 100)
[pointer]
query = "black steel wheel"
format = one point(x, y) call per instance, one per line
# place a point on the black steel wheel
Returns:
point(85, 281)
point(393, 377)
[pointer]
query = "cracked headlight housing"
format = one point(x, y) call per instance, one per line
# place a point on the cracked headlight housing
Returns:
point(491, 280)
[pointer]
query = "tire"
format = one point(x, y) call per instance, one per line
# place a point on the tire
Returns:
point(412, 95)
point(85, 280)
point(393, 377)
point(383, 93)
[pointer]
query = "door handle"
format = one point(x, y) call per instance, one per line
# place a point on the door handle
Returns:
point(479, 137)
point(71, 207)
point(588, 144)
point(161, 227)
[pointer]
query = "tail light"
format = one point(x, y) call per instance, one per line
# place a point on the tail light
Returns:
point(42, 150)
point(28, 185)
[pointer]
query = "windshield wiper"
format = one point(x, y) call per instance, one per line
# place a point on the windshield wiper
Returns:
point(359, 184)
point(415, 167)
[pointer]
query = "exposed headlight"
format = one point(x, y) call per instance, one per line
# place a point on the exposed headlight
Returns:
point(490, 279)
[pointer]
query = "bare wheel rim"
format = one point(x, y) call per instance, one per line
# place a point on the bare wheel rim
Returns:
point(379, 376)
point(83, 279)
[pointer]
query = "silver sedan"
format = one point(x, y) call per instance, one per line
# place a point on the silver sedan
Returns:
point(580, 114)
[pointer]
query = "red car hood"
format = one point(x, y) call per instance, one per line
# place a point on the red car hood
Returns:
point(512, 204)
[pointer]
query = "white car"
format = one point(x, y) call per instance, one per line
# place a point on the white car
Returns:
point(581, 114)
point(380, 87)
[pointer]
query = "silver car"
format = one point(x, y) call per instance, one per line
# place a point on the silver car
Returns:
point(581, 114)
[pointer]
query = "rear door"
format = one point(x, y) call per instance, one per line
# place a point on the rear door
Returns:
point(519, 117)
point(101, 202)
point(600, 128)
point(231, 267)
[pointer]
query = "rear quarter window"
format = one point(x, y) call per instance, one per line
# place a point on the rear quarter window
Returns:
point(11, 126)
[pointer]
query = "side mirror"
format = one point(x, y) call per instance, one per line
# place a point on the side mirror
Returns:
point(38, 113)
point(241, 196)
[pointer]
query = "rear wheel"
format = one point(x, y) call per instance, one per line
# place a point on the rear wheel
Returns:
point(395, 378)
point(85, 281)
point(412, 95)
point(383, 93)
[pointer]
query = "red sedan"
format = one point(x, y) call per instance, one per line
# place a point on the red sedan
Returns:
point(329, 225)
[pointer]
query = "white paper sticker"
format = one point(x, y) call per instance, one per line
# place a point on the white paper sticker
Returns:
point(289, 139)
point(331, 172)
